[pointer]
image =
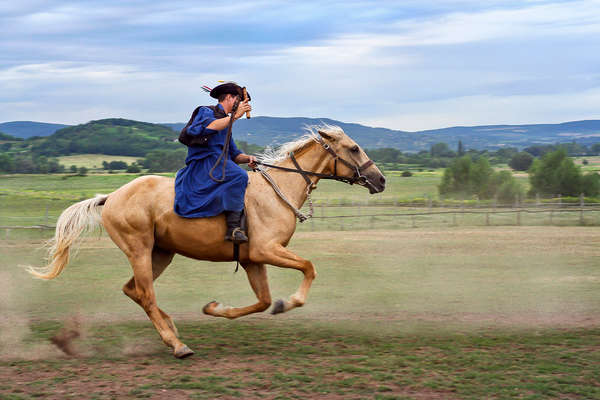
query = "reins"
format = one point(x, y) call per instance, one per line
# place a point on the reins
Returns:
point(224, 154)
point(358, 177)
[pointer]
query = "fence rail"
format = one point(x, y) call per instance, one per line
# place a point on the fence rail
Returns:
point(377, 217)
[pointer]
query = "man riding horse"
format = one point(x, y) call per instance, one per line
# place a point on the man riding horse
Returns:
point(197, 193)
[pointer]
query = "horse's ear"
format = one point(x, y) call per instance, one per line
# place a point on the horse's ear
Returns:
point(326, 136)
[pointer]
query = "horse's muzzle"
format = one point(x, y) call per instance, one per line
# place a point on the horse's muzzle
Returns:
point(375, 183)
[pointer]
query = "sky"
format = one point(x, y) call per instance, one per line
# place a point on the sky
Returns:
point(407, 65)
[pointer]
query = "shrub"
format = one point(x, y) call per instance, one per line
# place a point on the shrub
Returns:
point(521, 161)
point(466, 178)
point(555, 173)
point(406, 174)
point(133, 168)
point(591, 184)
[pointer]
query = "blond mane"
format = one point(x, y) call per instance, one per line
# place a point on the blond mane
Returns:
point(273, 156)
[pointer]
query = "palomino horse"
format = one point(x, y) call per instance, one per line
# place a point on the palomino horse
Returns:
point(139, 218)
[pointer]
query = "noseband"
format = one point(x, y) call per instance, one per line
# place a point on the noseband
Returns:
point(358, 177)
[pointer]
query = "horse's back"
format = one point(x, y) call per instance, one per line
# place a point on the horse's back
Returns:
point(143, 208)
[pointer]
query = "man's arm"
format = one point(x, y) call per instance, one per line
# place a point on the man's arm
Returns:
point(221, 123)
point(245, 159)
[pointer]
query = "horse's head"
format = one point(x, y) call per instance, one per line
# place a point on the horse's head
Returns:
point(349, 160)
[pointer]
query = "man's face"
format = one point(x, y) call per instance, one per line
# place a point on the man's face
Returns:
point(229, 102)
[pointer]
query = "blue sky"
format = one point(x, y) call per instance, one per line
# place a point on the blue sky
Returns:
point(407, 65)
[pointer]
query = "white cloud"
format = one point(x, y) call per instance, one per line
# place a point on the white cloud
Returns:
point(410, 66)
point(490, 110)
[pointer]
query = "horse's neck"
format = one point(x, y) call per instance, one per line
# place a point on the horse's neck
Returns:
point(312, 158)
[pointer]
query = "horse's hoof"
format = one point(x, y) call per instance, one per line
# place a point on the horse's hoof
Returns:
point(278, 308)
point(183, 352)
point(205, 308)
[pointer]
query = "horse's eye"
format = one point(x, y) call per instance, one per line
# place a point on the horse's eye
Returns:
point(354, 149)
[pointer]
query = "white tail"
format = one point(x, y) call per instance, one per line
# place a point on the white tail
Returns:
point(76, 220)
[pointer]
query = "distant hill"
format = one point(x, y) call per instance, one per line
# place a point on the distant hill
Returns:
point(4, 136)
point(114, 136)
point(134, 138)
point(27, 129)
point(273, 131)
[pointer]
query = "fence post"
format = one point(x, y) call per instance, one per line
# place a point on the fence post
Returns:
point(581, 204)
point(517, 205)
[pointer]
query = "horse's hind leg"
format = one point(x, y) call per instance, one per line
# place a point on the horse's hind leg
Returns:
point(160, 261)
point(141, 261)
point(257, 276)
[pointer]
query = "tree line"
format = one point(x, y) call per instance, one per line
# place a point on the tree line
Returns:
point(552, 174)
point(467, 172)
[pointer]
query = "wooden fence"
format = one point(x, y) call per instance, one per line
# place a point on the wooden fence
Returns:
point(360, 217)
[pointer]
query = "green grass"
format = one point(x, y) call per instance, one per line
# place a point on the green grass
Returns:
point(499, 312)
point(436, 311)
point(593, 163)
point(429, 273)
point(275, 359)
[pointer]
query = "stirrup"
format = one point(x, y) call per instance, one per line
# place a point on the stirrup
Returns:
point(237, 235)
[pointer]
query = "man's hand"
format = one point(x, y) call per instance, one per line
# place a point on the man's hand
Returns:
point(242, 108)
point(246, 159)
point(252, 162)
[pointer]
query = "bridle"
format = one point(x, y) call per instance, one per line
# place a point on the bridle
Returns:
point(357, 177)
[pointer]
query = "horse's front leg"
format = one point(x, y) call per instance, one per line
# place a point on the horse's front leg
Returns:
point(257, 276)
point(281, 257)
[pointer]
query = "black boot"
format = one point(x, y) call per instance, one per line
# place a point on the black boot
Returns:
point(235, 233)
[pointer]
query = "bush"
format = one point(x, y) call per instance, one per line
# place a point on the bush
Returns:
point(133, 168)
point(165, 160)
point(555, 173)
point(114, 165)
point(521, 161)
point(591, 184)
point(406, 174)
point(466, 178)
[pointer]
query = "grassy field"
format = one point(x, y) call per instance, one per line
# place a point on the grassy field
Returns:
point(431, 306)
point(93, 161)
point(592, 166)
point(467, 313)
point(27, 199)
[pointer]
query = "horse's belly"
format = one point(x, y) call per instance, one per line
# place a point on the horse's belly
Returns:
point(199, 238)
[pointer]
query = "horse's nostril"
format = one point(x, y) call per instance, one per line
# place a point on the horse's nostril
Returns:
point(382, 180)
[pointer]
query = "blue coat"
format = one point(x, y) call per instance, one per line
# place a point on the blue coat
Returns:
point(196, 194)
